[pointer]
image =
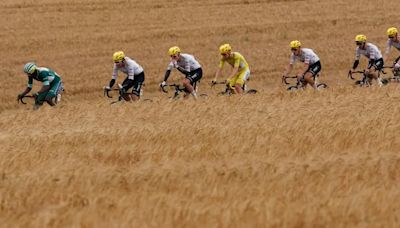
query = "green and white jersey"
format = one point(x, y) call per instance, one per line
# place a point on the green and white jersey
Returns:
point(44, 75)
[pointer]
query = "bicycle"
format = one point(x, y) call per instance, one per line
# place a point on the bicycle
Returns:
point(21, 99)
point(179, 89)
point(56, 99)
point(364, 81)
point(395, 74)
point(122, 93)
point(229, 90)
point(300, 83)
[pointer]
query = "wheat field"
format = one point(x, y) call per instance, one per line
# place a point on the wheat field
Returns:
point(325, 158)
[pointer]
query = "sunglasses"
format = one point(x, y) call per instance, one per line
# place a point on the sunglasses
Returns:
point(390, 37)
point(358, 43)
point(293, 49)
point(174, 56)
point(224, 54)
point(117, 62)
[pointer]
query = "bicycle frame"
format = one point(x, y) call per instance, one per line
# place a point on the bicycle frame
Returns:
point(177, 89)
point(299, 83)
point(229, 90)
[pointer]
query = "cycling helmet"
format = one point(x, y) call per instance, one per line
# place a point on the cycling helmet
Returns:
point(361, 38)
point(295, 44)
point(225, 48)
point(391, 31)
point(118, 56)
point(29, 68)
point(174, 50)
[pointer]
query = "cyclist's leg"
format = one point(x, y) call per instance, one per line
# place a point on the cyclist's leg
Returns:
point(375, 69)
point(137, 86)
point(55, 87)
point(311, 73)
point(190, 81)
point(243, 75)
point(396, 67)
point(123, 92)
point(40, 99)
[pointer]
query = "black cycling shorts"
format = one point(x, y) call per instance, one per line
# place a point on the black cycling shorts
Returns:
point(195, 75)
point(314, 68)
point(136, 85)
point(378, 64)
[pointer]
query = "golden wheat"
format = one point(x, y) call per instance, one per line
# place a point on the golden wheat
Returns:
point(275, 159)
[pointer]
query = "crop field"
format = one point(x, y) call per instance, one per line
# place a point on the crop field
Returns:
point(327, 158)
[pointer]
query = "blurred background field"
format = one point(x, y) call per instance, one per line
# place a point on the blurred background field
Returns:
point(275, 159)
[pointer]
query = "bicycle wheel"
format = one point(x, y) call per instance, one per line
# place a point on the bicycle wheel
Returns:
point(252, 91)
point(293, 88)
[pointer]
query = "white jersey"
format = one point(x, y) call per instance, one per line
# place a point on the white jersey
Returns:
point(131, 68)
point(371, 52)
point(186, 62)
point(389, 45)
point(307, 56)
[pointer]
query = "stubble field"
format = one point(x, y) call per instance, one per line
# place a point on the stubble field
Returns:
point(276, 159)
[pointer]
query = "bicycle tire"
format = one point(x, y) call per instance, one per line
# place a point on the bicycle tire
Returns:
point(252, 91)
point(293, 88)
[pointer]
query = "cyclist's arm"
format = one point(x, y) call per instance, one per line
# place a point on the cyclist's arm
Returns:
point(217, 74)
point(183, 71)
point(114, 76)
point(221, 64)
point(27, 90)
point(289, 69)
point(305, 68)
point(356, 60)
point(168, 71)
point(29, 86)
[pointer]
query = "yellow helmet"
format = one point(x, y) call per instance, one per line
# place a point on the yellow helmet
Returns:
point(174, 50)
point(391, 31)
point(225, 48)
point(360, 38)
point(118, 56)
point(295, 44)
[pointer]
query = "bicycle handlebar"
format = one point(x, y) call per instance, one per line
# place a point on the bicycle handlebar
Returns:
point(350, 74)
point(22, 99)
point(177, 87)
point(285, 77)
point(212, 84)
point(107, 92)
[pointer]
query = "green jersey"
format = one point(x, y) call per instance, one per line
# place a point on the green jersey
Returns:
point(44, 75)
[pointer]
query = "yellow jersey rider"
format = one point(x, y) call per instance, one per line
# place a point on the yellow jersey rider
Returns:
point(240, 72)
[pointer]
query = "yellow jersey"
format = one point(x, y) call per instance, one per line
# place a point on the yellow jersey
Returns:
point(236, 60)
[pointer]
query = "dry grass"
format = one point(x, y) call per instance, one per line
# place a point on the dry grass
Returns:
point(277, 159)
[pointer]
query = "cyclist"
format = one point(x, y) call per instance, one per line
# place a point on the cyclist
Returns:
point(312, 64)
point(240, 72)
point(372, 52)
point(51, 88)
point(134, 79)
point(393, 40)
point(188, 66)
